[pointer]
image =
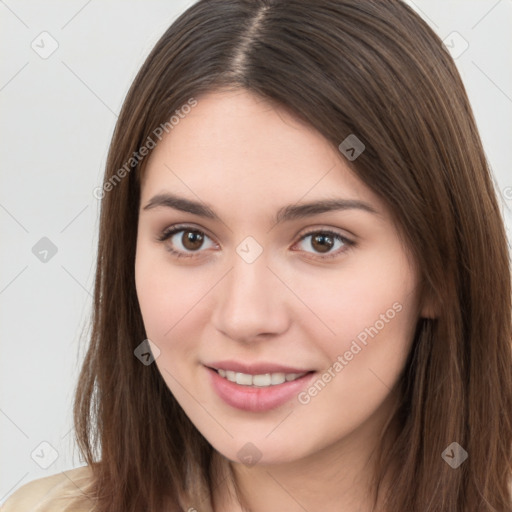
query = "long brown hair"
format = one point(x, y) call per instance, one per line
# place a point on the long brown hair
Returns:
point(365, 67)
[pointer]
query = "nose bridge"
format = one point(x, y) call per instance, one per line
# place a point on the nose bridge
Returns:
point(251, 300)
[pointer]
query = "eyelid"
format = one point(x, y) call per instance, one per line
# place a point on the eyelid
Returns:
point(175, 228)
point(326, 229)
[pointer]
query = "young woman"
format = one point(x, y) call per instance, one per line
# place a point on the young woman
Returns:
point(303, 294)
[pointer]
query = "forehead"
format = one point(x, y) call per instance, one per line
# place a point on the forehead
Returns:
point(235, 145)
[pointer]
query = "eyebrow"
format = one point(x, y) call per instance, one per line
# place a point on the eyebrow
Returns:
point(286, 213)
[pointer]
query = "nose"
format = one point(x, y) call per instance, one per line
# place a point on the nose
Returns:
point(251, 302)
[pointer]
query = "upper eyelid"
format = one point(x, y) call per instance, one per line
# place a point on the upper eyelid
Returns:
point(179, 227)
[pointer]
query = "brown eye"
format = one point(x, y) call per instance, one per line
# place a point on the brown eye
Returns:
point(192, 240)
point(183, 241)
point(322, 243)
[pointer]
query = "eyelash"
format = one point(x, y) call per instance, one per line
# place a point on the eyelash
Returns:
point(172, 230)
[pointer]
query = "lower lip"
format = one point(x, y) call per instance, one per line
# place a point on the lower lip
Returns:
point(256, 399)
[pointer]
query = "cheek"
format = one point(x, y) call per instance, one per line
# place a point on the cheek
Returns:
point(151, 283)
point(363, 362)
point(366, 314)
point(162, 295)
point(171, 303)
point(373, 314)
point(345, 304)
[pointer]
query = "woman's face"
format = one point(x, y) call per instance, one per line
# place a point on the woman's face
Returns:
point(253, 282)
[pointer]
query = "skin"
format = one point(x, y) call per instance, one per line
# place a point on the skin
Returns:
point(246, 159)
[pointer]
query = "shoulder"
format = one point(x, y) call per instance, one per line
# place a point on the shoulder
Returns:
point(53, 493)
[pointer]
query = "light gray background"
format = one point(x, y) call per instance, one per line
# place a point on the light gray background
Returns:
point(58, 114)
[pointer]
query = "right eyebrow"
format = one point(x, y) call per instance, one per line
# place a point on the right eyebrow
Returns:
point(182, 204)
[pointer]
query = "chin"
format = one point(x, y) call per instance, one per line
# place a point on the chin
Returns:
point(260, 453)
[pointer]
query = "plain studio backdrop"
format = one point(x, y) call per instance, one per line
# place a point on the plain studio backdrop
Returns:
point(64, 71)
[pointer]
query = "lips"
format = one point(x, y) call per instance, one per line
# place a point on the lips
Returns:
point(254, 398)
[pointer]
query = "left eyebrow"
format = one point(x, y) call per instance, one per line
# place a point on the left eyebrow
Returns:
point(286, 213)
point(300, 211)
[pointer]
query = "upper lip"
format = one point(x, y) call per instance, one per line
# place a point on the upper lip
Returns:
point(254, 368)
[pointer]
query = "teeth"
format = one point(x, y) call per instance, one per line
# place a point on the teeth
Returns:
point(277, 378)
point(263, 381)
point(244, 379)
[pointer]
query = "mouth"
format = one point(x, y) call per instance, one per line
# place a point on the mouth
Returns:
point(263, 380)
point(257, 392)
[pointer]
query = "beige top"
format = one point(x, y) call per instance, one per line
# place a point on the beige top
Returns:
point(53, 493)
